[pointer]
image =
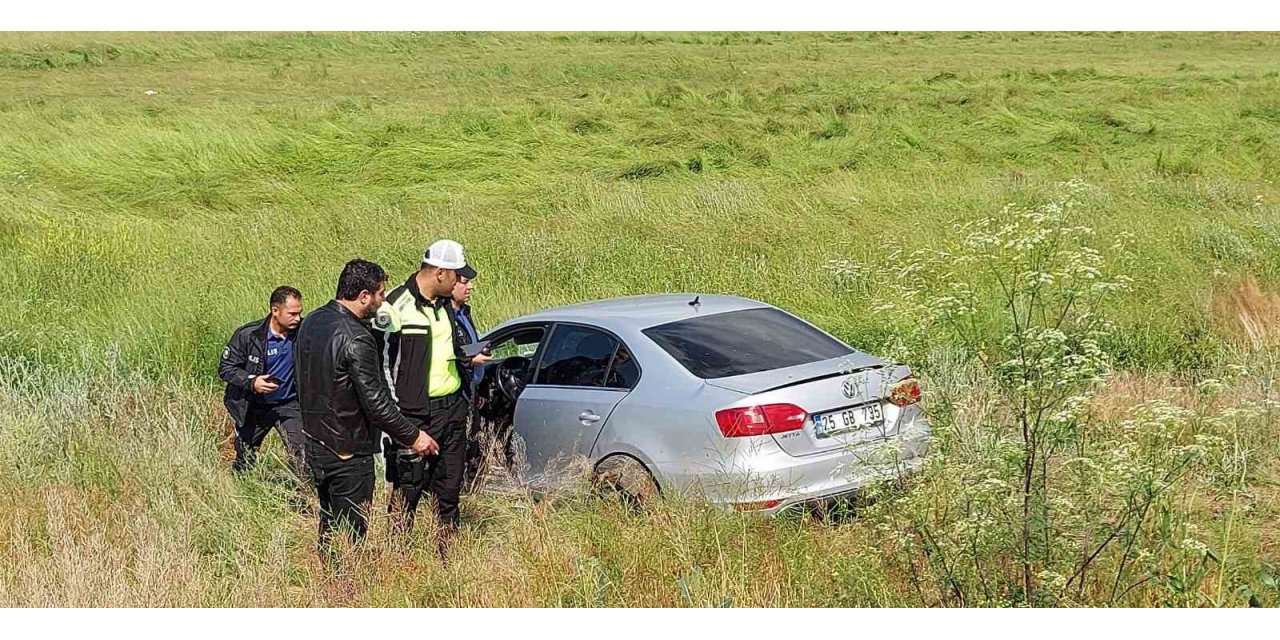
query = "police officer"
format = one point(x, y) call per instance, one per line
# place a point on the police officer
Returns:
point(423, 360)
point(257, 366)
point(468, 334)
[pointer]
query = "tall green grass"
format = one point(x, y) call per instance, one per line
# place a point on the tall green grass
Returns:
point(585, 165)
point(155, 187)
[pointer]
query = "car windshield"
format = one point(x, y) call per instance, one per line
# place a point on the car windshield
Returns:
point(741, 342)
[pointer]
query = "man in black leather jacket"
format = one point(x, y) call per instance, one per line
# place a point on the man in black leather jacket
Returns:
point(346, 402)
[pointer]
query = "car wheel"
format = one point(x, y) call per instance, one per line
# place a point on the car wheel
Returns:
point(627, 477)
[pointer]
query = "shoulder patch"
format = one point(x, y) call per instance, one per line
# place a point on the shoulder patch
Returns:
point(397, 294)
point(387, 320)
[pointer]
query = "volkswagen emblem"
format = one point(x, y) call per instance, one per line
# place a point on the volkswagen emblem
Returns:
point(853, 387)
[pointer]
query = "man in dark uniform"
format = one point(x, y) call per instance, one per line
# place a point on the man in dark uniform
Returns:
point(485, 441)
point(468, 334)
point(257, 366)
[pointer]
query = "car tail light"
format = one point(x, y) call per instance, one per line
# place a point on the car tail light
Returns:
point(758, 420)
point(757, 506)
point(905, 393)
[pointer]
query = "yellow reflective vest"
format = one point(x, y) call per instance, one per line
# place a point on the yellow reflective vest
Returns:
point(420, 355)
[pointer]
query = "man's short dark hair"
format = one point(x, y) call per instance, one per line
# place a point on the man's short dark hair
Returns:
point(283, 294)
point(359, 275)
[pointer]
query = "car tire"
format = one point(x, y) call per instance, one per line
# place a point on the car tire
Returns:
point(627, 477)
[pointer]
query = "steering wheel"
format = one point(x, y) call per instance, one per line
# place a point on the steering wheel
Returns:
point(510, 377)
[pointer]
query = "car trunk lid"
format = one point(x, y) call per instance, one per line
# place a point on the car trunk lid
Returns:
point(845, 389)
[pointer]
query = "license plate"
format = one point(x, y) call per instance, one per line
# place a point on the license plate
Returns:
point(850, 419)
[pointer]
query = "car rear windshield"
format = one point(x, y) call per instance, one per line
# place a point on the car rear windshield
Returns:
point(742, 342)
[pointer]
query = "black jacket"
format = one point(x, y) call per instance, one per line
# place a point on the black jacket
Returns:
point(345, 400)
point(244, 357)
point(406, 356)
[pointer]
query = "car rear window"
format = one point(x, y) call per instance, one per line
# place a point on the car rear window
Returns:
point(741, 342)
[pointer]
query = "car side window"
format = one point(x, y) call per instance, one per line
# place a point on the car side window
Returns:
point(576, 357)
point(624, 373)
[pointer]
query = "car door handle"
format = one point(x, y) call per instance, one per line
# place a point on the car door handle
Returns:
point(587, 416)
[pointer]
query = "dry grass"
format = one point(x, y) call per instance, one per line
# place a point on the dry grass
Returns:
point(1250, 315)
point(128, 501)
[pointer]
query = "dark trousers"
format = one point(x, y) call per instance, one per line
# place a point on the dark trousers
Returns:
point(286, 418)
point(345, 488)
point(442, 478)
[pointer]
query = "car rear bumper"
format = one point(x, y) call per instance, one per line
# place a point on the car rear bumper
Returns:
point(771, 481)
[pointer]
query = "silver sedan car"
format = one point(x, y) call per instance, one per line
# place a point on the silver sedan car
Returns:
point(736, 400)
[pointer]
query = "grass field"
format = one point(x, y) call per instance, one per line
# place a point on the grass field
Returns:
point(155, 187)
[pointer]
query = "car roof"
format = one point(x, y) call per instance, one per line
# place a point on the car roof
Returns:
point(633, 313)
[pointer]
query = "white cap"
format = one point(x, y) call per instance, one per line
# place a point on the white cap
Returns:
point(447, 254)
